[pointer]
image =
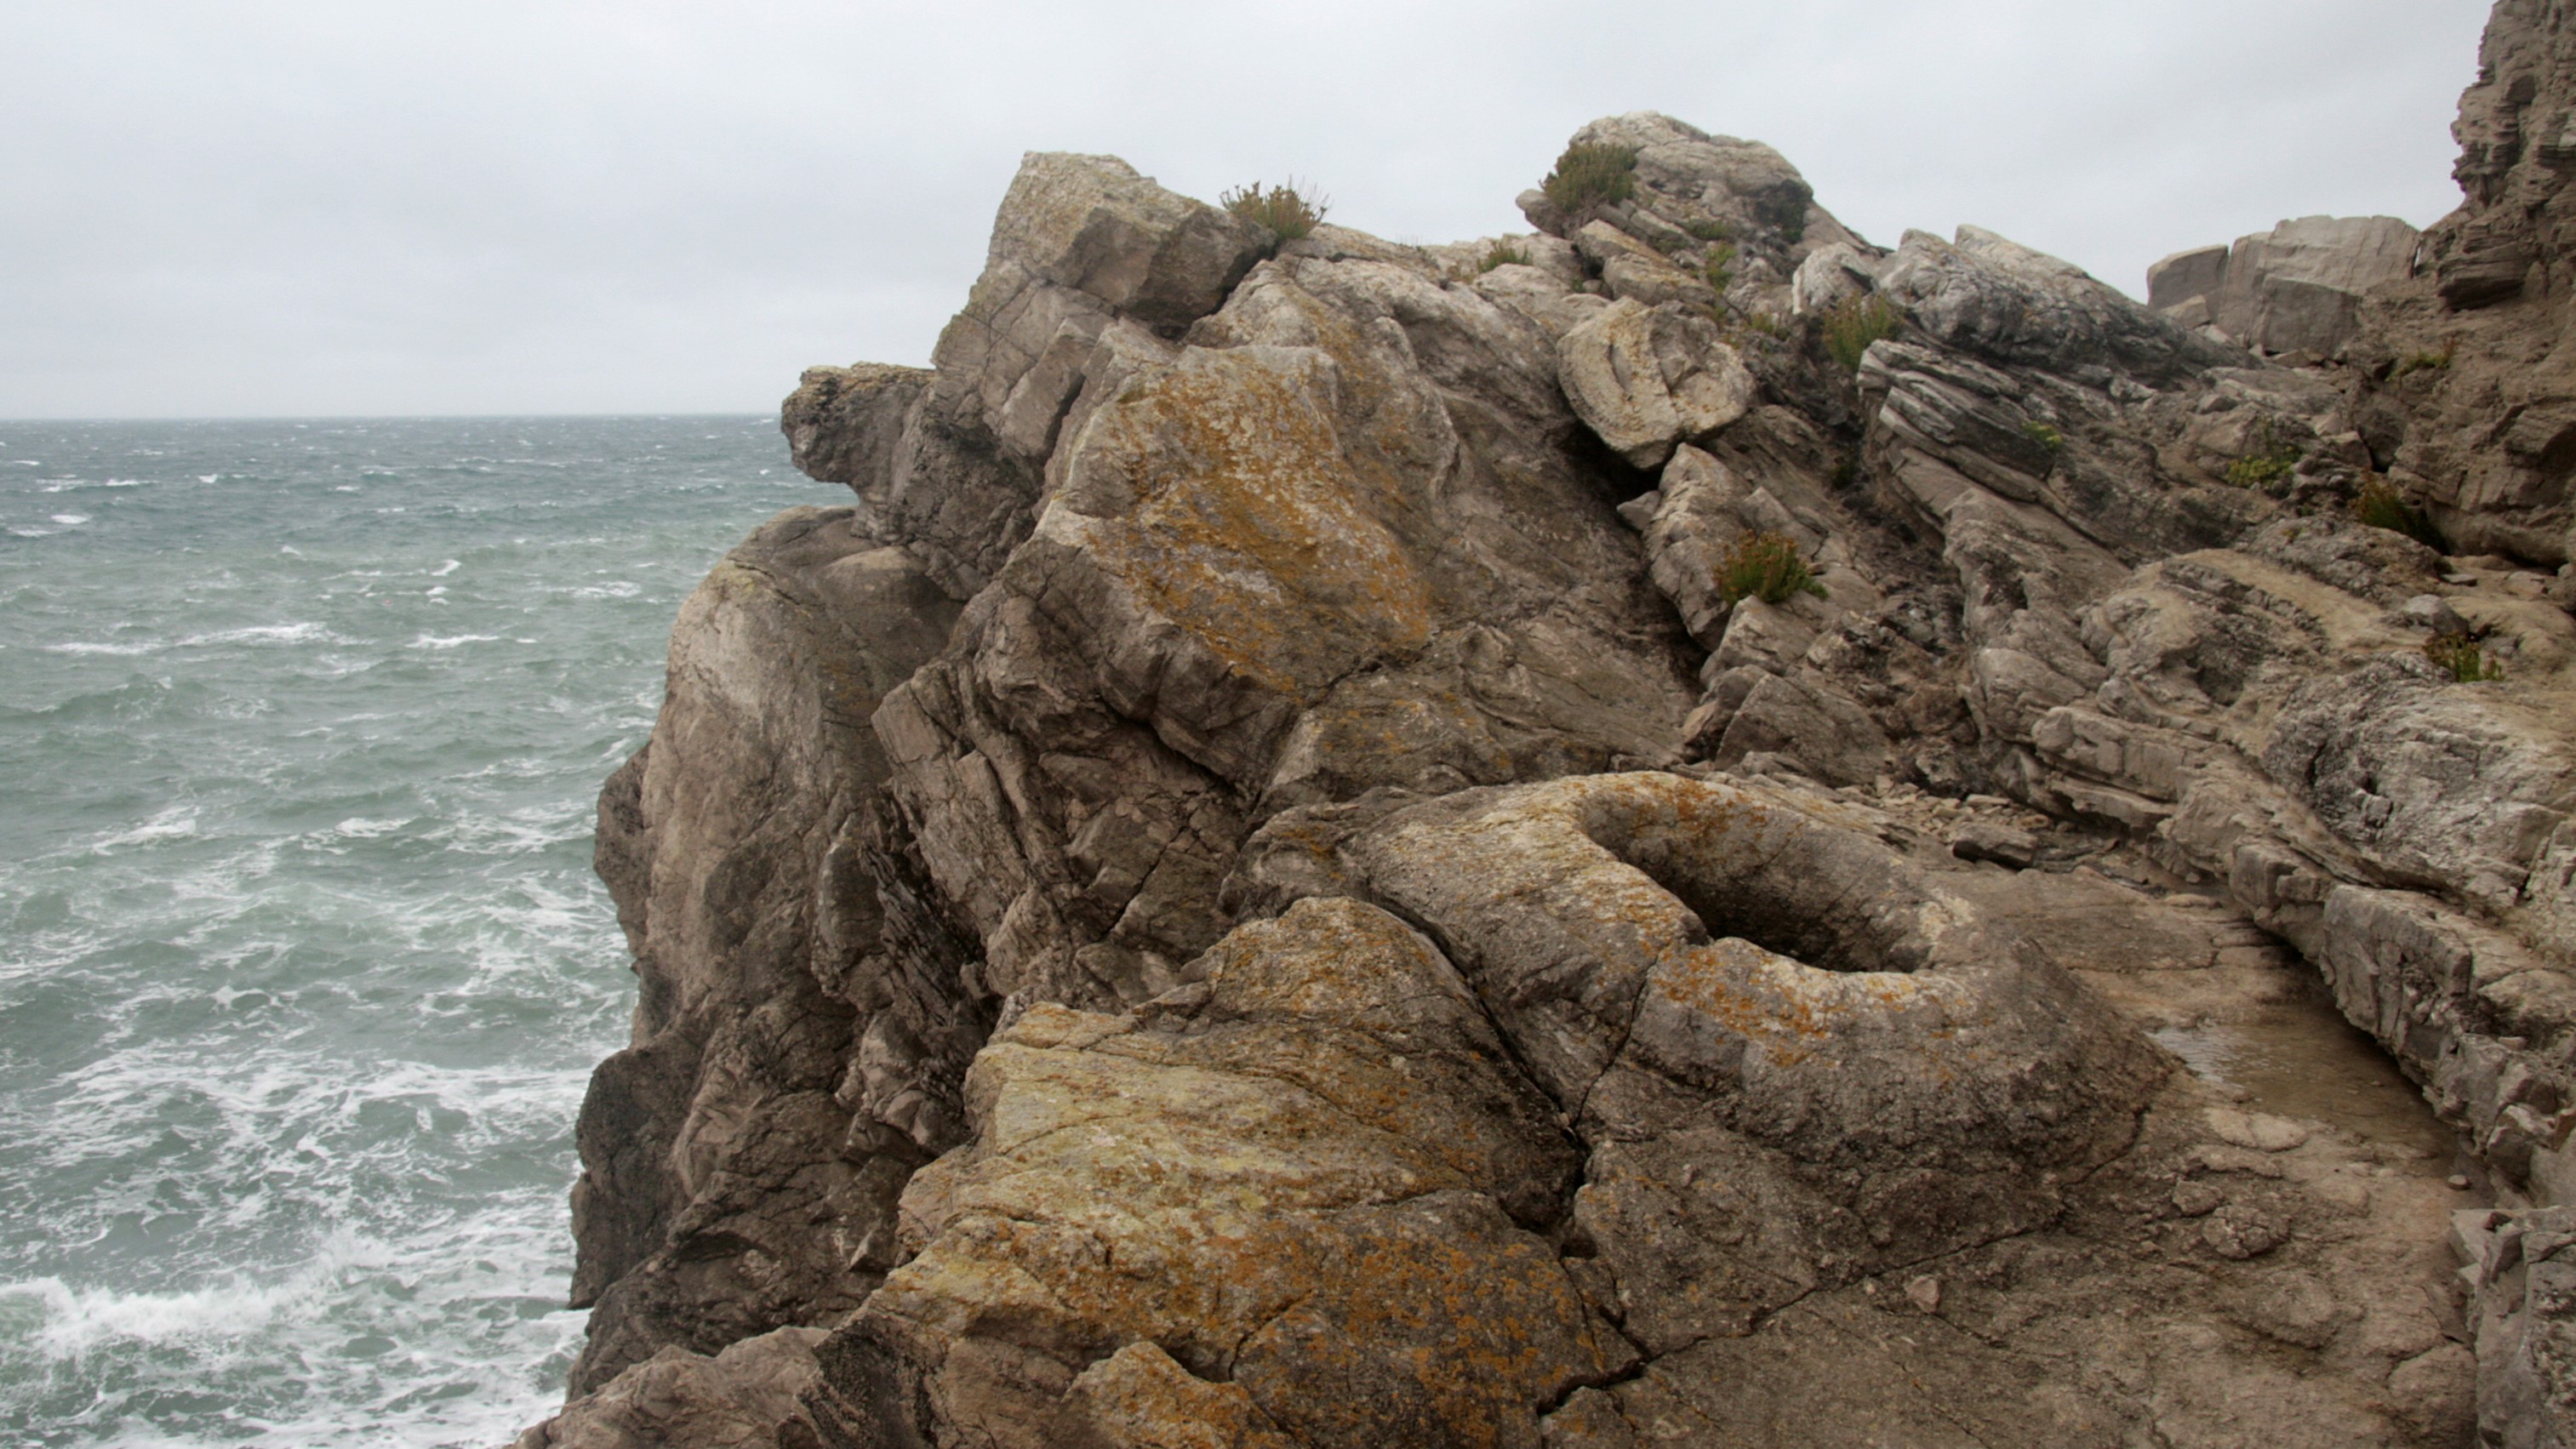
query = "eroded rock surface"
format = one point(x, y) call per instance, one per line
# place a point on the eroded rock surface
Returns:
point(1276, 881)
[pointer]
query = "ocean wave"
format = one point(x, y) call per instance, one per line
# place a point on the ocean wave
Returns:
point(451, 641)
point(303, 633)
point(173, 823)
point(77, 1322)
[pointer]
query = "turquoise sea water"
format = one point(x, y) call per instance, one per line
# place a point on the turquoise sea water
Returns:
point(302, 966)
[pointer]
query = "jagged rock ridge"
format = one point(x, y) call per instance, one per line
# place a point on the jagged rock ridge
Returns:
point(1257, 887)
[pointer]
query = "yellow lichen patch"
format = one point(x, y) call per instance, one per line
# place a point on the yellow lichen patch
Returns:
point(1299, 1191)
point(1138, 1398)
point(1247, 524)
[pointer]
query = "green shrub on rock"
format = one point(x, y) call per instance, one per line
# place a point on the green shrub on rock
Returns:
point(1766, 566)
point(2467, 662)
point(1853, 325)
point(2381, 506)
point(1285, 211)
point(2267, 469)
point(1720, 267)
point(1588, 178)
point(2436, 361)
point(1503, 254)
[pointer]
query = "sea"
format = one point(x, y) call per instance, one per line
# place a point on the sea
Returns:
point(303, 969)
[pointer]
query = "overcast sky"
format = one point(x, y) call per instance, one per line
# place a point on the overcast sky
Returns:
point(312, 207)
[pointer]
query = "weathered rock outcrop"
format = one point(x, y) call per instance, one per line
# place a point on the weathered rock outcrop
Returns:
point(2299, 288)
point(1285, 876)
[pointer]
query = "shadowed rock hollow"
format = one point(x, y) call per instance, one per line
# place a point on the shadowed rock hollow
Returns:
point(1266, 883)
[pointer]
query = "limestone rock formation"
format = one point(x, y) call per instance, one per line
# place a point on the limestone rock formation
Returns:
point(1347, 845)
point(2298, 288)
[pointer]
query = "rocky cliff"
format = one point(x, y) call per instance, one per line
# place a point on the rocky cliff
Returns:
point(1681, 829)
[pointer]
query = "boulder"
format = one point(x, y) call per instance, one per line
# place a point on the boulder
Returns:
point(1309, 1178)
point(1830, 276)
point(749, 1396)
point(2298, 287)
point(1644, 379)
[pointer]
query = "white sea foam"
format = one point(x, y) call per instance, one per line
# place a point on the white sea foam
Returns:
point(443, 570)
point(305, 633)
point(77, 1322)
point(451, 641)
point(176, 822)
point(71, 520)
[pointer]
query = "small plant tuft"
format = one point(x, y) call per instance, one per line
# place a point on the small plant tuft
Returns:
point(1763, 324)
point(2043, 434)
point(1503, 254)
point(1286, 210)
point(2381, 506)
point(1709, 229)
point(2439, 361)
point(1720, 267)
point(2268, 467)
point(1852, 326)
point(1590, 177)
point(2467, 662)
point(1766, 566)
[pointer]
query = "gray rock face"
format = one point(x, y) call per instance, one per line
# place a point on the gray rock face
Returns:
point(2521, 1279)
point(2298, 287)
point(732, 846)
point(1272, 883)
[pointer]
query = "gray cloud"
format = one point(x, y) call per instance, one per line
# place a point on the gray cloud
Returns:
point(302, 208)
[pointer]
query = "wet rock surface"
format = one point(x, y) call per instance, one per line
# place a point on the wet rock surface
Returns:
point(1283, 876)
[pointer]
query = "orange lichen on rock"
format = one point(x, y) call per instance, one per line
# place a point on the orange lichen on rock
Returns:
point(1299, 1174)
point(1240, 516)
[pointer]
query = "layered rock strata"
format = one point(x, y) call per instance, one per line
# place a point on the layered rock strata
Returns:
point(1268, 883)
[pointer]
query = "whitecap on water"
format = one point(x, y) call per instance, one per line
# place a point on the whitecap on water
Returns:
point(265, 634)
point(71, 520)
point(443, 570)
point(78, 1322)
point(173, 823)
point(451, 641)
